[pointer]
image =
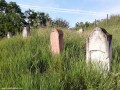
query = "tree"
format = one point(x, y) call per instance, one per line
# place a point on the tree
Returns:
point(30, 16)
point(11, 18)
point(60, 23)
point(12, 7)
point(79, 25)
point(48, 20)
point(87, 24)
point(42, 18)
point(3, 6)
point(36, 18)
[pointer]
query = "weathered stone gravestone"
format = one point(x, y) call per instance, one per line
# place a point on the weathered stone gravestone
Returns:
point(9, 35)
point(81, 30)
point(56, 41)
point(26, 32)
point(99, 48)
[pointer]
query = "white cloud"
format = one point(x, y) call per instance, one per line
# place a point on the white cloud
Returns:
point(61, 10)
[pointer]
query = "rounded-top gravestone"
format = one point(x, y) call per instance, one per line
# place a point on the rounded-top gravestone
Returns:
point(26, 32)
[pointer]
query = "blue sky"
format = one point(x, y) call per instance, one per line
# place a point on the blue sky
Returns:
point(73, 10)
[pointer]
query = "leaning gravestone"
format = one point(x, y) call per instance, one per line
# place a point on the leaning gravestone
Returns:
point(9, 35)
point(99, 48)
point(56, 41)
point(26, 32)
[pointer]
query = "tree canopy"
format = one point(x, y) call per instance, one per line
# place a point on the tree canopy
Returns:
point(12, 19)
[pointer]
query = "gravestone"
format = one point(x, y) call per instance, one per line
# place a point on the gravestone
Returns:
point(56, 41)
point(9, 35)
point(81, 30)
point(26, 32)
point(99, 48)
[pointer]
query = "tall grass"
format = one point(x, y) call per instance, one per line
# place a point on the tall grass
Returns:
point(29, 64)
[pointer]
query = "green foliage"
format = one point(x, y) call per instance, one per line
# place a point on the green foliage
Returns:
point(35, 19)
point(59, 22)
point(10, 18)
point(113, 21)
point(43, 18)
point(30, 15)
point(79, 25)
point(3, 5)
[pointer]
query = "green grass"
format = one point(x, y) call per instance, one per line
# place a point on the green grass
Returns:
point(29, 64)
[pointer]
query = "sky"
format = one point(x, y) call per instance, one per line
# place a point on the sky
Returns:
point(73, 10)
